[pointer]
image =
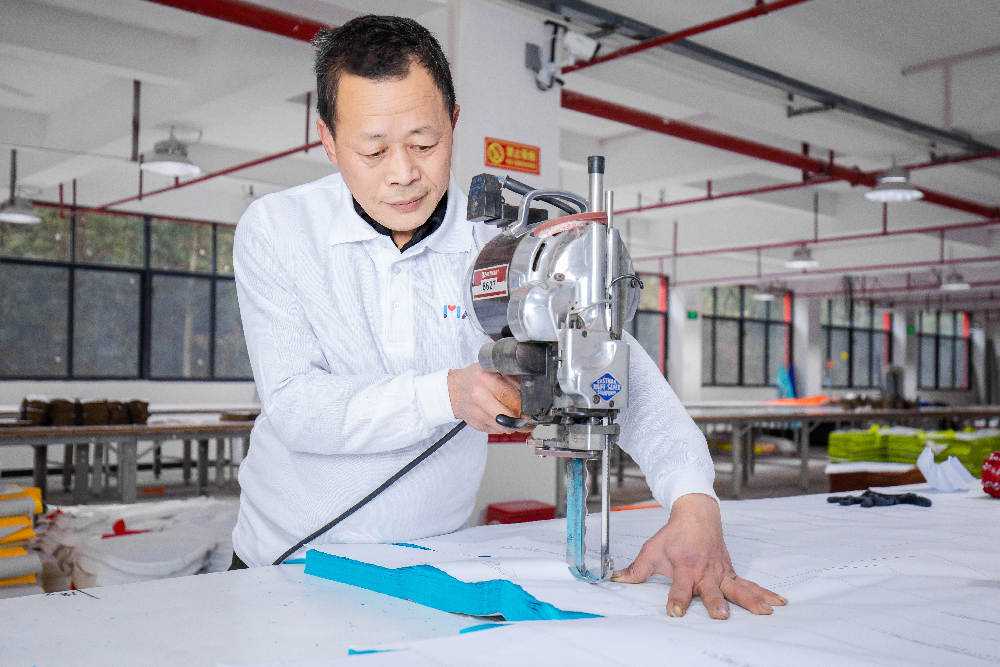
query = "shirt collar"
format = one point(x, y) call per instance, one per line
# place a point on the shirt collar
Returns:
point(419, 234)
point(454, 234)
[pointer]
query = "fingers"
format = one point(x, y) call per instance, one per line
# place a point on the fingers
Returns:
point(478, 397)
point(681, 590)
point(755, 599)
point(715, 603)
point(639, 571)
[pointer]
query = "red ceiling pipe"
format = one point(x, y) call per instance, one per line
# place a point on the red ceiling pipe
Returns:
point(214, 174)
point(250, 16)
point(712, 196)
point(934, 229)
point(758, 9)
point(840, 269)
point(797, 185)
point(681, 130)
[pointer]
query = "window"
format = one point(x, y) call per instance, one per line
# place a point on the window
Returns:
point(649, 326)
point(857, 338)
point(98, 296)
point(943, 350)
point(745, 341)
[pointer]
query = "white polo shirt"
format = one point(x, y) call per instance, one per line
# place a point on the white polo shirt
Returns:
point(350, 343)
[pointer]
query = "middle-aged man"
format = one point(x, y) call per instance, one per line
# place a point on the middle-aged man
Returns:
point(352, 295)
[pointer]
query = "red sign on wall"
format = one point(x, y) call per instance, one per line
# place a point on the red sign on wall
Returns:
point(502, 154)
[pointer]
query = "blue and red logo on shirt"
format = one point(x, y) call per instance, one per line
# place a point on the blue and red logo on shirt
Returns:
point(450, 310)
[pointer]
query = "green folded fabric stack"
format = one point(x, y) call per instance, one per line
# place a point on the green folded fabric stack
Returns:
point(902, 443)
point(856, 445)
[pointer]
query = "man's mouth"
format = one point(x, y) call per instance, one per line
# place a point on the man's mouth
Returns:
point(407, 206)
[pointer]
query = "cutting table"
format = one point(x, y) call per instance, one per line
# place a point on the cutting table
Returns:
point(889, 585)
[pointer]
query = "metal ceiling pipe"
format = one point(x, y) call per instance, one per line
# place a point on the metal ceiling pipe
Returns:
point(687, 131)
point(209, 176)
point(933, 229)
point(758, 9)
point(634, 29)
point(250, 16)
point(754, 278)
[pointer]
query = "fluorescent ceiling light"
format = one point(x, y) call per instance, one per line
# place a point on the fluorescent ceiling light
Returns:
point(802, 259)
point(20, 210)
point(894, 186)
point(954, 282)
point(170, 158)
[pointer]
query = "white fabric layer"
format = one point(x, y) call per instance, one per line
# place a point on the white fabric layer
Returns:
point(350, 342)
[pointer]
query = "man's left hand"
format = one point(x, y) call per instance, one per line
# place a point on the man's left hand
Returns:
point(691, 551)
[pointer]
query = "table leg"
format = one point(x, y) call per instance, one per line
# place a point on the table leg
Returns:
point(67, 467)
point(220, 461)
point(40, 469)
point(805, 430)
point(127, 464)
point(202, 466)
point(737, 453)
point(157, 460)
point(81, 465)
point(186, 462)
point(96, 469)
point(751, 454)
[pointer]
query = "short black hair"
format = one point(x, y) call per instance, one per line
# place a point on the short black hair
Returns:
point(378, 48)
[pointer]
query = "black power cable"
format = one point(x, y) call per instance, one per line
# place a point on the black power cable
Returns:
point(371, 496)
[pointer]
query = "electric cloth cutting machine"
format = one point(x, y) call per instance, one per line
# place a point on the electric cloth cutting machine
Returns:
point(554, 294)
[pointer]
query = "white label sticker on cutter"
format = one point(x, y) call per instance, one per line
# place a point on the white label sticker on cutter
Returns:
point(490, 283)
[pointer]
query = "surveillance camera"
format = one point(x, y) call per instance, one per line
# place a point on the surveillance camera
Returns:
point(581, 46)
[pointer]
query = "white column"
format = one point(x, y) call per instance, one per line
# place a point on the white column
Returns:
point(905, 350)
point(497, 93)
point(685, 348)
point(809, 347)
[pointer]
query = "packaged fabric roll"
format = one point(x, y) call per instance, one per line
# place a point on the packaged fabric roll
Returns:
point(15, 529)
point(18, 562)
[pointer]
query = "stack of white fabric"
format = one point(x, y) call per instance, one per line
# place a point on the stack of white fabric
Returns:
point(164, 539)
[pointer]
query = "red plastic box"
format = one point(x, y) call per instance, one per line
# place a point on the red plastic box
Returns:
point(519, 511)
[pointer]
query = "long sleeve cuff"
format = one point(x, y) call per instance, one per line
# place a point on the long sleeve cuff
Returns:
point(433, 399)
point(669, 488)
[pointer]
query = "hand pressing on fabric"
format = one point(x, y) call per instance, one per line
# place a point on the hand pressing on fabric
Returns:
point(691, 551)
point(478, 396)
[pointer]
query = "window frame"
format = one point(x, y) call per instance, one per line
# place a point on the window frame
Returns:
point(787, 304)
point(146, 274)
point(959, 318)
point(853, 331)
point(664, 317)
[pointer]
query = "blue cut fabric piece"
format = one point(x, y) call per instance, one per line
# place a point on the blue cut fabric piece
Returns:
point(434, 588)
point(294, 561)
point(366, 651)
point(412, 546)
point(483, 626)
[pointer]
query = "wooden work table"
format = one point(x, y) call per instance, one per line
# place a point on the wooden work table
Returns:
point(125, 439)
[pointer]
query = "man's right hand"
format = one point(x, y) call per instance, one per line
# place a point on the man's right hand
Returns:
point(478, 396)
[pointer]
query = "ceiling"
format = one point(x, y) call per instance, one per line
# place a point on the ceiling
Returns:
point(235, 93)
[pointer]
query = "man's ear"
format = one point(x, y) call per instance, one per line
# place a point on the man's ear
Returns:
point(327, 138)
point(454, 116)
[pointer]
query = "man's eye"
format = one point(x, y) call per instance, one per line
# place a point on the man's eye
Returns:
point(422, 148)
point(375, 154)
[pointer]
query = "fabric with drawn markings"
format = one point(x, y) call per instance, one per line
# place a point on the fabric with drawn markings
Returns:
point(350, 342)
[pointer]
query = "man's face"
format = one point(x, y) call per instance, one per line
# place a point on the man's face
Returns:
point(393, 147)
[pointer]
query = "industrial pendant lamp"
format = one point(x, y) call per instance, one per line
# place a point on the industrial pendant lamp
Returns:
point(894, 186)
point(954, 282)
point(170, 158)
point(17, 209)
point(802, 259)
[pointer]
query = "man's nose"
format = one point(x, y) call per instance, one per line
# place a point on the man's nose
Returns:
point(402, 168)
